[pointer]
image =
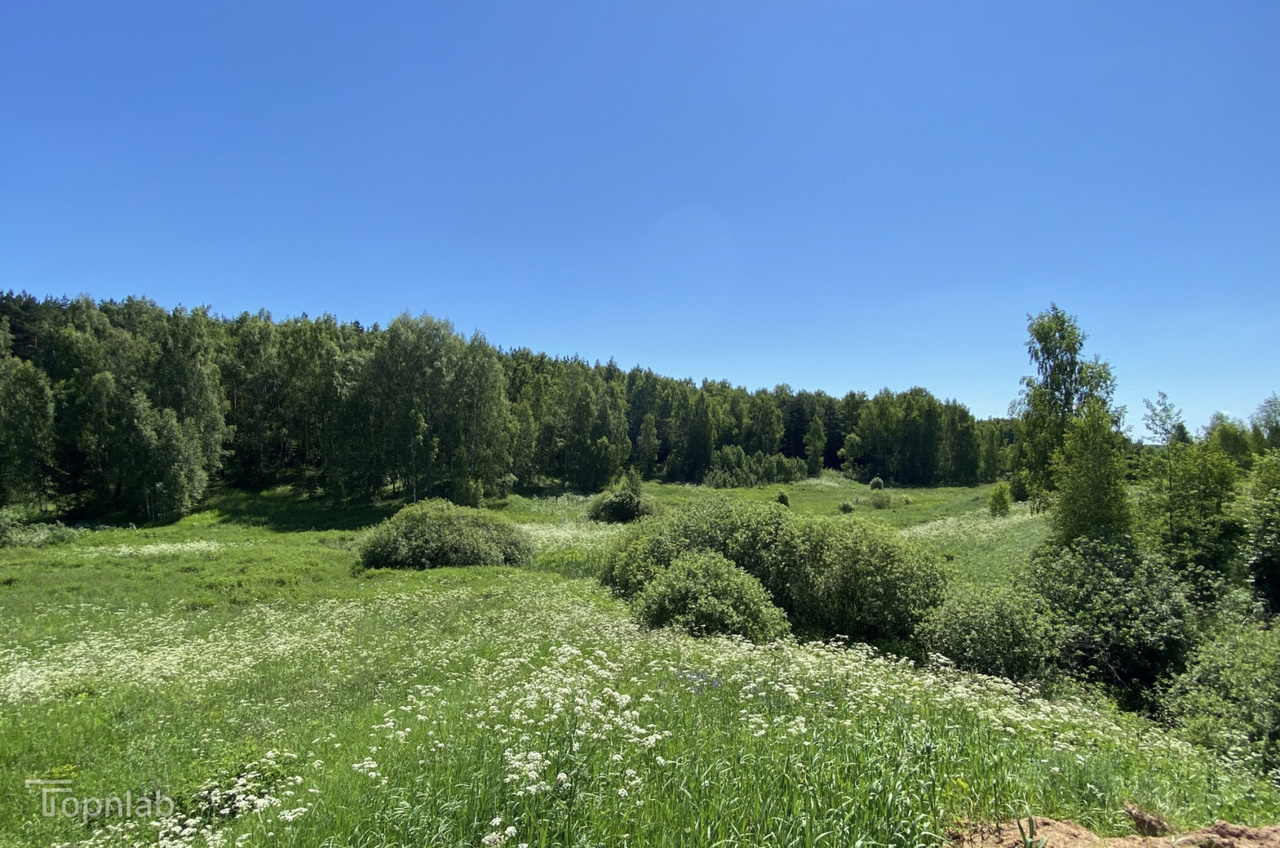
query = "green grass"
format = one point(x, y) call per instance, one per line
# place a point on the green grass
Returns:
point(421, 707)
point(984, 550)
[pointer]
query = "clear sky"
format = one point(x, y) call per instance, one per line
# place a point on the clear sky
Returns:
point(843, 195)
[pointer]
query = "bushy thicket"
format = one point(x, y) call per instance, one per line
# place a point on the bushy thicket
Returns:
point(1124, 616)
point(16, 532)
point(830, 576)
point(1229, 697)
point(997, 630)
point(437, 533)
point(732, 467)
point(705, 594)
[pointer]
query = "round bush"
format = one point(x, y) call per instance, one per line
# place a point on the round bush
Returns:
point(783, 499)
point(994, 630)
point(866, 582)
point(876, 484)
point(879, 499)
point(846, 507)
point(622, 505)
point(437, 533)
point(705, 594)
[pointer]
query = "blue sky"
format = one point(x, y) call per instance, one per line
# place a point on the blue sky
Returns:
point(838, 196)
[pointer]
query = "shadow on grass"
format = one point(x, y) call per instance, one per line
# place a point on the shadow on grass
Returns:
point(285, 510)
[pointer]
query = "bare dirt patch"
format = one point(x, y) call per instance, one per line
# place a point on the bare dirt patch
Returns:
point(1066, 834)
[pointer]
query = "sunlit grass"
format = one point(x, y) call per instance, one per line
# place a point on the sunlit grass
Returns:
point(447, 706)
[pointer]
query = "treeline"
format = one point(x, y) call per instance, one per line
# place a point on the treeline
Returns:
point(129, 407)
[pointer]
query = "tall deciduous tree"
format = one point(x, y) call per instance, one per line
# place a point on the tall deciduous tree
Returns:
point(1056, 394)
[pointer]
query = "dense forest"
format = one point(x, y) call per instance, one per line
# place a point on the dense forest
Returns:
point(131, 409)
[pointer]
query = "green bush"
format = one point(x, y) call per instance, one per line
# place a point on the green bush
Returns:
point(876, 484)
point(1125, 617)
point(437, 533)
point(996, 630)
point(705, 594)
point(998, 503)
point(1019, 488)
point(17, 532)
point(623, 504)
point(880, 499)
point(831, 576)
point(1229, 697)
point(866, 581)
point(846, 507)
point(783, 499)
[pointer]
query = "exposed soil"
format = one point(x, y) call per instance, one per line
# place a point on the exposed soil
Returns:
point(1066, 834)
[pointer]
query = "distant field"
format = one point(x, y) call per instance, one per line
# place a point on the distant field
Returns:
point(445, 707)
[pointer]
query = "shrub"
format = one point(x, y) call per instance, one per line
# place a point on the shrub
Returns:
point(1125, 619)
point(879, 499)
point(1019, 489)
point(652, 544)
point(998, 502)
point(622, 505)
point(16, 532)
point(1229, 697)
point(846, 507)
point(705, 594)
point(866, 581)
point(731, 467)
point(996, 630)
point(783, 499)
point(876, 483)
point(437, 533)
point(847, 577)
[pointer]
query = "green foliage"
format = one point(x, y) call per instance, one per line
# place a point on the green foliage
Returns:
point(1263, 549)
point(998, 502)
point(876, 483)
point(437, 533)
point(17, 532)
point(869, 583)
point(1188, 489)
point(1228, 699)
point(1019, 489)
point(1125, 618)
point(847, 577)
point(996, 630)
point(1265, 430)
point(815, 444)
point(879, 499)
point(783, 499)
point(846, 507)
point(705, 594)
point(1056, 394)
point(732, 468)
point(622, 505)
point(1093, 499)
point(26, 427)
point(1232, 438)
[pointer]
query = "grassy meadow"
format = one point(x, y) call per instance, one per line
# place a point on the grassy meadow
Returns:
point(233, 663)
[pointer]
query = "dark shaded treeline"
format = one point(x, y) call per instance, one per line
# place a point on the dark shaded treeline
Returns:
point(126, 406)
